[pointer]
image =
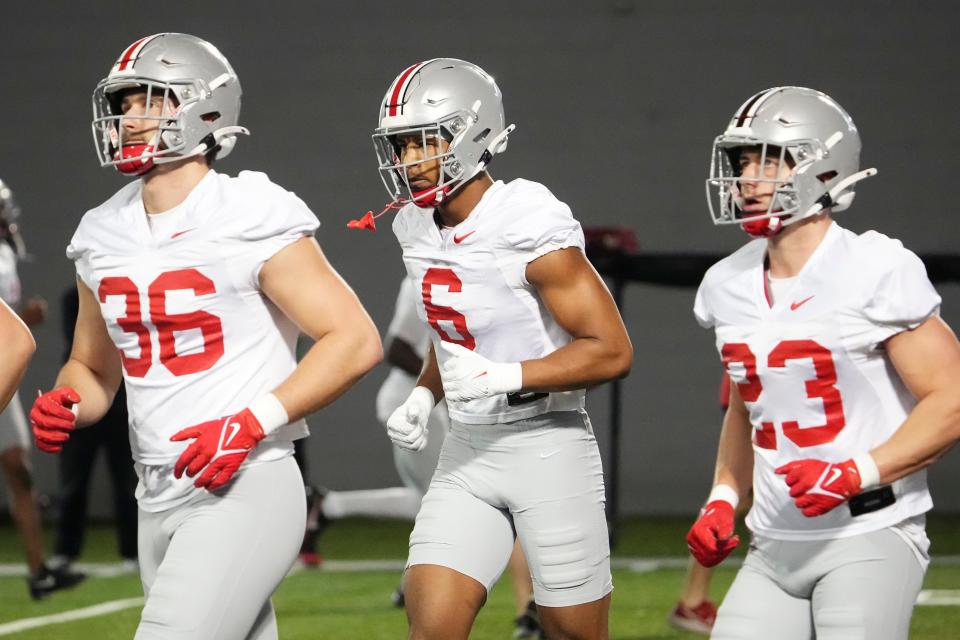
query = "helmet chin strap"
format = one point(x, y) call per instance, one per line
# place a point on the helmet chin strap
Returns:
point(225, 138)
point(834, 197)
point(767, 227)
point(434, 196)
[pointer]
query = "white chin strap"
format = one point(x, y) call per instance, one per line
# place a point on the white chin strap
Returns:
point(497, 145)
point(833, 198)
point(225, 138)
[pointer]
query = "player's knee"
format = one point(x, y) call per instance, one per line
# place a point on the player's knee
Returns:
point(16, 472)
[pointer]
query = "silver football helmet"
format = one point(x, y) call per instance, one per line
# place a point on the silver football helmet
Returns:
point(805, 129)
point(447, 99)
point(200, 95)
point(9, 227)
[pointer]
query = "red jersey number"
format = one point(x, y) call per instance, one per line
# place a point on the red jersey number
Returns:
point(435, 313)
point(166, 324)
point(822, 387)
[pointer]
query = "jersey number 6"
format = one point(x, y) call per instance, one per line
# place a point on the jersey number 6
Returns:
point(166, 324)
point(435, 313)
point(823, 386)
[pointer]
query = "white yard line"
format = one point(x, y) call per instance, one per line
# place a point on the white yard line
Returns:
point(939, 598)
point(927, 597)
point(68, 616)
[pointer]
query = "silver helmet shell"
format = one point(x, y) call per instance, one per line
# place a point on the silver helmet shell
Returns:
point(803, 127)
point(197, 83)
point(440, 98)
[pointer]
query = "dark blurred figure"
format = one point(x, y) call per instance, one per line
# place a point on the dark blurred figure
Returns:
point(76, 467)
point(15, 447)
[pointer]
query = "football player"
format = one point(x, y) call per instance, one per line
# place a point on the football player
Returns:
point(18, 347)
point(846, 385)
point(44, 577)
point(521, 325)
point(193, 286)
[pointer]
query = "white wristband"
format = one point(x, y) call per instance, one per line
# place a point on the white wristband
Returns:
point(726, 493)
point(869, 473)
point(510, 376)
point(269, 412)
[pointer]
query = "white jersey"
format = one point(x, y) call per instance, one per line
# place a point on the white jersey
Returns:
point(182, 303)
point(474, 291)
point(812, 369)
point(9, 278)
point(407, 326)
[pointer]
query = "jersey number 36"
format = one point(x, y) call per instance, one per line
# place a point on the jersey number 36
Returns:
point(165, 324)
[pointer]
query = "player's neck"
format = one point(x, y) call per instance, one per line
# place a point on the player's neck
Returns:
point(167, 185)
point(790, 249)
point(456, 209)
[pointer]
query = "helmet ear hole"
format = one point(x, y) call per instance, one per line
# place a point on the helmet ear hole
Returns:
point(480, 137)
point(211, 116)
point(826, 176)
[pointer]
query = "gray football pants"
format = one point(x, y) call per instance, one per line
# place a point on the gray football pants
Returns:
point(857, 588)
point(209, 567)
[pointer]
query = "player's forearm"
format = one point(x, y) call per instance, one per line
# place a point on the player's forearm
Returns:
point(735, 454)
point(332, 365)
point(16, 354)
point(583, 363)
point(430, 376)
point(96, 391)
point(928, 433)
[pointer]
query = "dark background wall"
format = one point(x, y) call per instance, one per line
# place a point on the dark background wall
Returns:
point(616, 104)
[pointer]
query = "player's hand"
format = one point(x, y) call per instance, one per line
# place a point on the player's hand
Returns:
point(407, 425)
point(711, 538)
point(219, 447)
point(52, 419)
point(467, 375)
point(817, 486)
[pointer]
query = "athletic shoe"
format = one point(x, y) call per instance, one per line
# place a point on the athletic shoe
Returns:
point(397, 597)
point(698, 619)
point(528, 624)
point(48, 580)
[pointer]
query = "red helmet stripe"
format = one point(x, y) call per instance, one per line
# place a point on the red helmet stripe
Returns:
point(399, 87)
point(746, 108)
point(128, 54)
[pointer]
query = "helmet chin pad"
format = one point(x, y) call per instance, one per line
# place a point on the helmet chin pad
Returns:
point(431, 197)
point(764, 227)
point(131, 161)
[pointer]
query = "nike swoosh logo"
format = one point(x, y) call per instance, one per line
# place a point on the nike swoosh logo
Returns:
point(180, 233)
point(544, 456)
point(833, 477)
point(458, 239)
point(796, 305)
point(235, 426)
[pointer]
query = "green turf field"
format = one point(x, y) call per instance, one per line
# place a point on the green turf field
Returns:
point(320, 605)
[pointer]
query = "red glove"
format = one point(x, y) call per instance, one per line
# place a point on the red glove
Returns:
point(220, 445)
point(52, 420)
point(711, 537)
point(817, 486)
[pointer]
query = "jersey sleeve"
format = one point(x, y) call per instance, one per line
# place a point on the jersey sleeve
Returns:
point(283, 219)
point(541, 227)
point(701, 308)
point(901, 296)
point(78, 251)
